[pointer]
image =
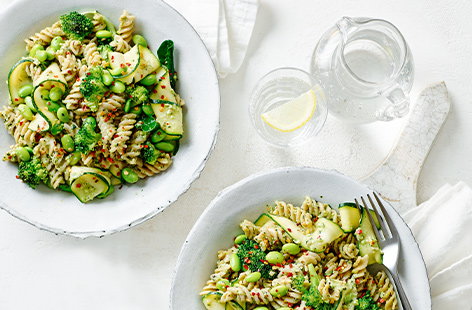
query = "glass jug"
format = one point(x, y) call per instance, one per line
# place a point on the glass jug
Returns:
point(366, 70)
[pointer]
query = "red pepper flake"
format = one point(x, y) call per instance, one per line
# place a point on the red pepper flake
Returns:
point(246, 267)
point(78, 185)
point(339, 268)
point(162, 97)
point(21, 123)
point(256, 246)
point(146, 146)
point(154, 91)
point(163, 86)
point(289, 274)
point(88, 73)
point(289, 229)
point(17, 176)
point(162, 105)
point(382, 300)
point(253, 293)
point(112, 57)
point(357, 281)
point(17, 99)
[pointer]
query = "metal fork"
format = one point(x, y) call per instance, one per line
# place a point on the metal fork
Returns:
point(389, 242)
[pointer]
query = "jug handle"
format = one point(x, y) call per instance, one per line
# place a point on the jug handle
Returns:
point(399, 104)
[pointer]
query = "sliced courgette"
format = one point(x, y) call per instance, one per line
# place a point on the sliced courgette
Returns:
point(148, 63)
point(232, 305)
point(89, 186)
point(109, 25)
point(38, 124)
point(78, 171)
point(129, 61)
point(367, 241)
point(350, 216)
point(262, 219)
point(17, 78)
point(170, 117)
point(212, 301)
point(163, 90)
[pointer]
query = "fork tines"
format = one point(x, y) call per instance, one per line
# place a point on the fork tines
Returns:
point(379, 211)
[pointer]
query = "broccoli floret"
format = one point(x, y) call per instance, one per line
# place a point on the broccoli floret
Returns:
point(32, 172)
point(86, 138)
point(76, 26)
point(149, 153)
point(298, 283)
point(137, 95)
point(253, 258)
point(367, 303)
point(312, 296)
point(92, 87)
point(104, 50)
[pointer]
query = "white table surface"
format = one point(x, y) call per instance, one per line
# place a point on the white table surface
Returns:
point(133, 269)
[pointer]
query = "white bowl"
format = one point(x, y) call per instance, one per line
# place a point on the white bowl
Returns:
point(61, 212)
point(247, 199)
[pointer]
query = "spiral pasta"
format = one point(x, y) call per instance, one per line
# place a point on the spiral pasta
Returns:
point(296, 214)
point(92, 55)
point(145, 170)
point(126, 28)
point(119, 44)
point(45, 36)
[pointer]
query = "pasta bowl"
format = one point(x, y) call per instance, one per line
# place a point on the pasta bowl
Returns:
point(62, 213)
point(219, 223)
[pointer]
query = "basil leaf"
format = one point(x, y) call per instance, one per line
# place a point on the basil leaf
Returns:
point(165, 52)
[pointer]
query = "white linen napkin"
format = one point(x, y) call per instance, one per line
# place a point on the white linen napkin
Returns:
point(225, 27)
point(443, 229)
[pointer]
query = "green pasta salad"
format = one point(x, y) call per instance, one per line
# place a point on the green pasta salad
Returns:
point(308, 257)
point(92, 107)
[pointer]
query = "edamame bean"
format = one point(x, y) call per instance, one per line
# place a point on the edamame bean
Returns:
point(44, 94)
point(240, 239)
point(291, 248)
point(139, 40)
point(147, 109)
point(55, 94)
point(107, 79)
point(56, 43)
point(29, 149)
point(137, 110)
point(261, 308)
point(222, 284)
point(74, 158)
point(25, 112)
point(129, 176)
point(117, 71)
point(41, 55)
point(22, 154)
point(253, 277)
point(274, 257)
point(128, 106)
point(53, 106)
point(91, 121)
point(29, 103)
point(25, 90)
point(50, 53)
point(117, 87)
point(165, 147)
point(103, 34)
point(279, 291)
point(149, 80)
point(34, 49)
point(235, 262)
point(67, 143)
point(158, 136)
point(285, 308)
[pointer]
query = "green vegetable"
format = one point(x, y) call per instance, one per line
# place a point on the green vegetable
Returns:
point(137, 110)
point(104, 49)
point(239, 239)
point(139, 40)
point(86, 138)
point(367, 303)
point(149, 153)
point(76, 26)
point(25, 90)
point(35, 49)
point(158, 136)
point(274, 257)
point(279, 291)
point(55, 94)
point(118, 87)
point(22, 154)
point(129, 176)
point(56, 43)
point(249, 251)
point(25, 112)
point(102, 34)
point(253, 277)
point(44, 94)
point(93, 88)
point(29, 103)
point(53, 106)
point(74, 158)
point(32, 172)
point(165, 52)
point(67, 143)
point(147, 109)
point(235, 262)
point(149, 80)
point(137, 95)
point(51, 53)
point(107, 78)
point(63, 115)
point(222, 284)
point(149, 124)
point(312, 296)
point(165, 146)
point(56, 129)
point(262, 308)
point(298, 283)
point(291, 248)
point(41, 55)
point(91, 121)
point(65, 188)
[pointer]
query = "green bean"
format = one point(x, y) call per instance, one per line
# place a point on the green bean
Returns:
point(103, 34)
point(279, 291)
point(91, 121)
point(56, 43)
point(149, 80)
point(222, 284)
point(44, 94)
point(147, 109)
point(274, 257)
point(235, 262)
point(50, 53)
point(118, 87)
point(139, 40)
point(74, 158)
point(129, 176)
point(25, 90)
point(34, 49)
point(158, 136)
point(165, 147)
point(137, 110)
point(55, 94)
point(29, 103)
point(67, 143)
point(240, 239)
point(107, 78)
point(253, 277)
point(22, 154)
point(291, 248)
point(117, 71)
point(53, 106)
point(26, 112)
point(41, 55)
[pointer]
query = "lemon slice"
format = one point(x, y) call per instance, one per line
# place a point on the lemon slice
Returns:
point(293, 114)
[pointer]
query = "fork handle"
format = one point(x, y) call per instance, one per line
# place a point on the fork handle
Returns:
point(401, 292)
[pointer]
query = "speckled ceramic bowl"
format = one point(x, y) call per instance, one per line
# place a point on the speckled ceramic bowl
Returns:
point(247, 199)
point(62, 213)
